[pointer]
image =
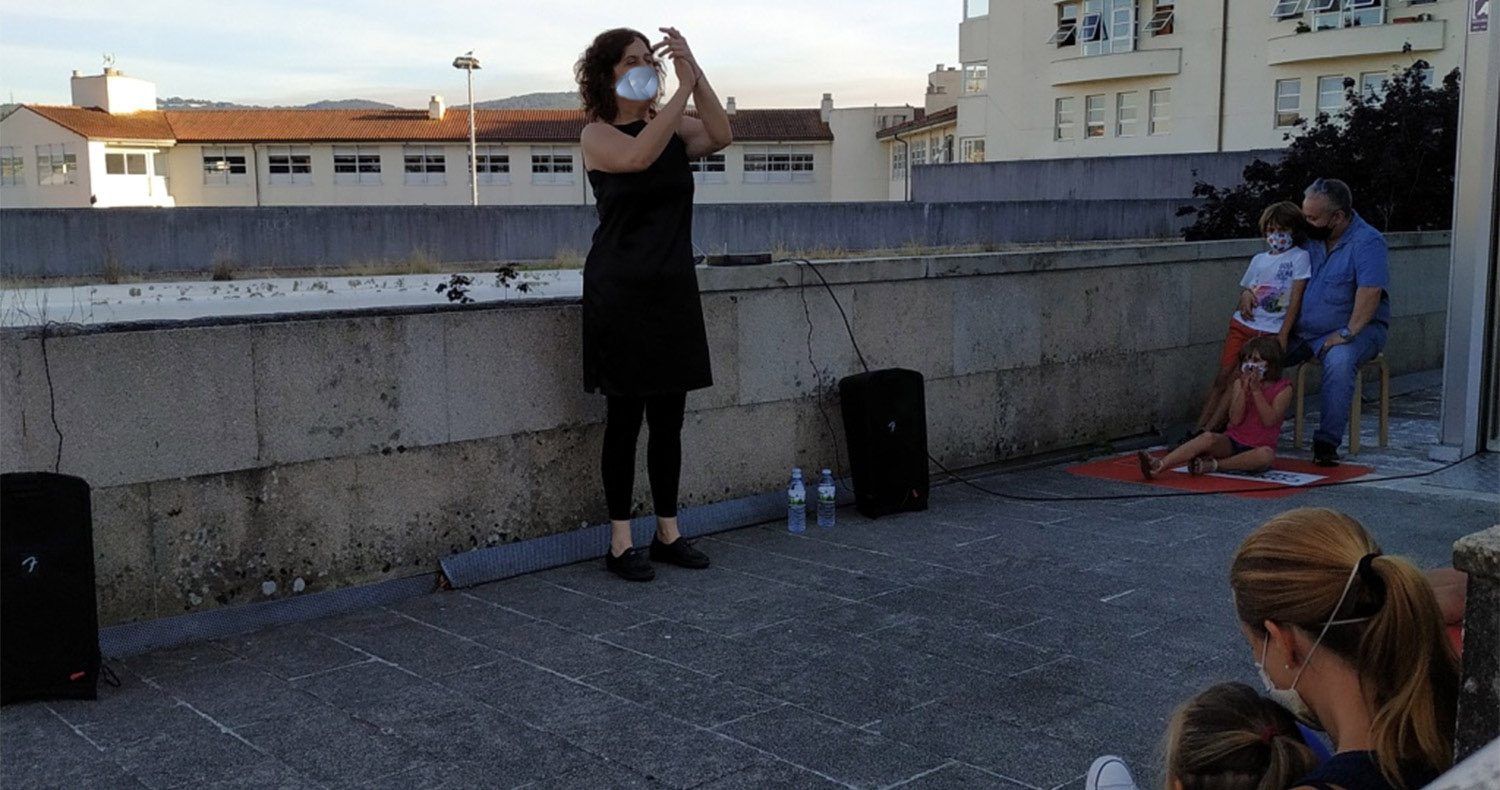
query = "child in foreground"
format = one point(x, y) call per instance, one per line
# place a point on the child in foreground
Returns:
point(1228, 737)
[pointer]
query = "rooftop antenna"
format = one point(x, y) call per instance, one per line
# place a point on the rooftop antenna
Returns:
point(109, 60)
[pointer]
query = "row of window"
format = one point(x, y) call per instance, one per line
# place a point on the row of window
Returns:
point(923, 151)
point(54, 166)
point(1126, 114)
point(1330, 93)
point(428, 165)
point(1103, 27)
point(1334, 14)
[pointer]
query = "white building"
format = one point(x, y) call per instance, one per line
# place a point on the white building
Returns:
point(1082, 78)
point(113, 148)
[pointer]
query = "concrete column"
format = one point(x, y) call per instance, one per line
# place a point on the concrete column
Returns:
point(1469, 388)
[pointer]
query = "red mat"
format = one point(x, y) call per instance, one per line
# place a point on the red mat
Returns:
point(1127, 469)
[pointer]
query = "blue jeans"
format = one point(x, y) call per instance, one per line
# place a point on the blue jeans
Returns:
point(1340, 363)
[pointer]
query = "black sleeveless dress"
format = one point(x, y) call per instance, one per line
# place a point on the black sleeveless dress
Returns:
point(643, 329)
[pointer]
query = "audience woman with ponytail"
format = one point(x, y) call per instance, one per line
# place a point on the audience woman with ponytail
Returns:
point(1347, 641)
point(1351, 642)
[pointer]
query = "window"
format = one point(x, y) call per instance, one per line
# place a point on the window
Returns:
point(1330, 94)
point(976, 76)
point(551, 165)
point(1067, 25)
point(1327, 14)
point(1108, 26)
point(971, 149)
point(12, 167)
point(947, 149)
point(426, 165)
point(976, 8)
point(709, 169)
point(493, 165)
point(1288, 102)
point(288, 164)
point(1093, 115)
point(776, 164)
point(1364, 12)
point(1287, 9)
point(55, 166)
point(1372, 84)
point(1063, 115)
point(1161, 111)
point(898, 161)
point(919, 153)
point(356, 164)
point(224, 165)
point(1160, 23)
point(123, 164)
point(1125, 113)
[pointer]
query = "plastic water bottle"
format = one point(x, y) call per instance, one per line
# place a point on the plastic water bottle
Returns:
point(827, 499)
point(796, 502)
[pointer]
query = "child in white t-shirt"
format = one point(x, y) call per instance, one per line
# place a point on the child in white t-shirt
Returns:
point(1270, 298)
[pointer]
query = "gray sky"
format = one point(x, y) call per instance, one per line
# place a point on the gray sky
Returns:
point(766, 53)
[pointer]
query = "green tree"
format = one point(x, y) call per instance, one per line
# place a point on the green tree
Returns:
point(1396, 151)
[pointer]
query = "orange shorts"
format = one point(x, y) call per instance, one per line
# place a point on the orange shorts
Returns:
point(1238, 335)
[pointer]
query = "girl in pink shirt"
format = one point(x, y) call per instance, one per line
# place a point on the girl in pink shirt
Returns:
point(1257, 407)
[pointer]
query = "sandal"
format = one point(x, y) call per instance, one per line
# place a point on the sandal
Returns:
point(1203, 465)
point(1148, 464)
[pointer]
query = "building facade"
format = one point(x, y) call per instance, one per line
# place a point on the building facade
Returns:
point(1085, 78)
point(113, 148)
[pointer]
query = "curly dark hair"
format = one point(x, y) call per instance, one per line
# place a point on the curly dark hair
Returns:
point(595, 71)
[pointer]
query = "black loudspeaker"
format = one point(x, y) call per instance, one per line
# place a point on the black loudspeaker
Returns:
point(885, 422)
point(49, 621)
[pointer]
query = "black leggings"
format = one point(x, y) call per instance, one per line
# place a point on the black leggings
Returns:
point(622, 426)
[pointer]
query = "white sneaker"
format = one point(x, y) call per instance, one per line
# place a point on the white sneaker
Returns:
point(1108, 773)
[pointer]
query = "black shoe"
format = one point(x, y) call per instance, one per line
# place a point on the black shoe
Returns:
point(1325, 453)
point(631, 566)
point(679, 552)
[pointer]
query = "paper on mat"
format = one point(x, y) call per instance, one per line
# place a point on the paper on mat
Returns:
point(1271, 476)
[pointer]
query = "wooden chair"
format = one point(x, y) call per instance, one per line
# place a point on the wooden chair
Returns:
point(1385, 401)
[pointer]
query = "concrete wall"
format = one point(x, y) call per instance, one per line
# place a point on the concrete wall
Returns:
point(248, 460)
point(62, 242)
point(1163, 176)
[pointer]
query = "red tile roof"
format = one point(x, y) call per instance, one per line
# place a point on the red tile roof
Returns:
point(98, 124)
point(939, 118)
point(543, 126)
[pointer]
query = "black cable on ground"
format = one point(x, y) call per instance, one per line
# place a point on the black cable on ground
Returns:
point(804, 263)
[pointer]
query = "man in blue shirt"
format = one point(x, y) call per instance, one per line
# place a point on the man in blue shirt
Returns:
point(1345, 310)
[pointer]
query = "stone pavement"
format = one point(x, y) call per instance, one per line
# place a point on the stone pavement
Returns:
point(985, 643)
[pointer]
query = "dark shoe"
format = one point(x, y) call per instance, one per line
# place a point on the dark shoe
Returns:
point(631, 566)
point(1325, 453)
point(679, 552)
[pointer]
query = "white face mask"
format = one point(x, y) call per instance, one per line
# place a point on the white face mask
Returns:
point(1288, 697)
point(639, 84)
point(1279, 241)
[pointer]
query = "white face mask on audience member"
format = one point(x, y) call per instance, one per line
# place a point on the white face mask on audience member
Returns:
point(1289, 697)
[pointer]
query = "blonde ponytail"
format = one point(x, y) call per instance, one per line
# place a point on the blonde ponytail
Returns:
point(1294, 568)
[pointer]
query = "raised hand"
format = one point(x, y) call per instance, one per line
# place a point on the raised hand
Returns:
point(674, 46)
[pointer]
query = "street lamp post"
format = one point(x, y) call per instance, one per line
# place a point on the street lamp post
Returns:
point(469, 63)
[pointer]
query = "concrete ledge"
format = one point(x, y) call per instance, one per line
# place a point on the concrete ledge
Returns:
point(1355, 41)
point(244, 461)
point(1117, 66)
point(1479, 695)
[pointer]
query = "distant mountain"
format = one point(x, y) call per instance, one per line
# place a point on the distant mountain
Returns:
point(556, 100)
point(348, 104)
point(178, 103)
